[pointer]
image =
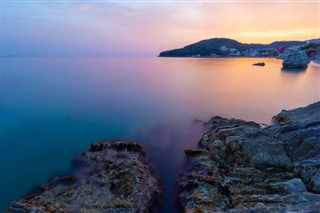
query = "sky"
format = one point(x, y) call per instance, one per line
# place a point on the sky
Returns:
point(145, 28)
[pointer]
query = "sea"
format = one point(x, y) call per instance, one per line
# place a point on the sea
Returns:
point(53, 108)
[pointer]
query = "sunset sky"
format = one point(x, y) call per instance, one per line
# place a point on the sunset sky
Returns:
point(145, 28)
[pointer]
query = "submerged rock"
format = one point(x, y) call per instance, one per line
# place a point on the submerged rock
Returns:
point(259, 64)
point(242, 167)
point(113, 177)
point(298, 59)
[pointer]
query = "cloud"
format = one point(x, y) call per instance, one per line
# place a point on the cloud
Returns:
point(146, 28)
point(276, 34)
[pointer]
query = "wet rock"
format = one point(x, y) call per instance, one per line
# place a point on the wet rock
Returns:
point(259, 64)
point(114, 177)
point(298, 59)
point(246, 168)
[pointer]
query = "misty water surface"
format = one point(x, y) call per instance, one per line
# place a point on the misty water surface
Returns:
point(54, 108)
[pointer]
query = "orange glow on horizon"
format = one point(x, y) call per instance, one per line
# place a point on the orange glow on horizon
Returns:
point(258, 22)
point(148, 28)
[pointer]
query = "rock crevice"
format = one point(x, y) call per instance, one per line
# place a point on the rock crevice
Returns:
point(242, 167)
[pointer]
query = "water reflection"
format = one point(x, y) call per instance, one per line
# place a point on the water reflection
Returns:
point(293, 70)
point(53, 108)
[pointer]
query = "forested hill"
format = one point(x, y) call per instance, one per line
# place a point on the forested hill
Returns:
point(214, 46)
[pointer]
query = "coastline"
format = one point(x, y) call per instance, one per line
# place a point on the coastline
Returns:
point(238, 166)
point(312, 60)
point(215, 57)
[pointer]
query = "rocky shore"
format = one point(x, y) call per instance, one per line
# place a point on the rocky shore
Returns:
point(110, 177)
point(242, 166)
point(239, 166)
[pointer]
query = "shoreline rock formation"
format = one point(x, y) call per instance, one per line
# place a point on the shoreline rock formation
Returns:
point(241, 166)
point(111, 177)
point(297, 59)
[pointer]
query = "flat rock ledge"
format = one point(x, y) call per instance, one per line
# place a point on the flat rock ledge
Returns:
point(241, 166)
point(110, 177)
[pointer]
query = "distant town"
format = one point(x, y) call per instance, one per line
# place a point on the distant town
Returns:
point(311, 50)
point(222, 47)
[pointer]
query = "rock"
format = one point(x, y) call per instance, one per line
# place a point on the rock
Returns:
point(309, 171)
point(294, 202)
point(259, 64)
point(246, 168)
point(300, 115)
point(217, 143)
point(114, 177)
point(217, 122)
point(194, 152)
point(265, 151)
point(233, 143)
point(289, 186)
point(298, 59)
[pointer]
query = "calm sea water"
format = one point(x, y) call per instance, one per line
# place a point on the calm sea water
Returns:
point(53, 108)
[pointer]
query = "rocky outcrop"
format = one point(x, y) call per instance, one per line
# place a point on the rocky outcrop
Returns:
point(300, 115)
point(110, 177)
point(241, 166)
point(298, 59)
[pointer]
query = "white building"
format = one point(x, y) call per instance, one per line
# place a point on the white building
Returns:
point(223, 48)
point(233, 50)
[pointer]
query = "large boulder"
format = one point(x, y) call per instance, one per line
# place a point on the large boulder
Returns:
point(110, 177)
point(298, 59)
point(243, 167)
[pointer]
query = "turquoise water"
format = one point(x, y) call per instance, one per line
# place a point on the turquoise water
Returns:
point(53, 108)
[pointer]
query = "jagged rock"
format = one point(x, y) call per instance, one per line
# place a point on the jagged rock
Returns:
point(289, 186)
point(219, 122)
point(298, 59)
point(299, 116)
point(309, 171)
point(246, 168)
point(113, 177)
